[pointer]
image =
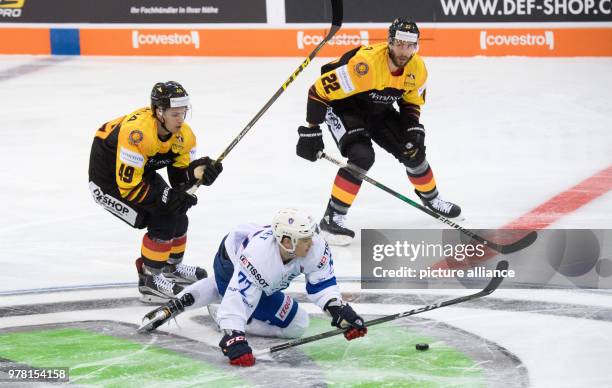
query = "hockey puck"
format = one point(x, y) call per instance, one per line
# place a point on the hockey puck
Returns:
point(422, 347)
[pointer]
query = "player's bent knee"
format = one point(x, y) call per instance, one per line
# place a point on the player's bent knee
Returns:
point(361, 155)
point(415, 163)
point(298, 325)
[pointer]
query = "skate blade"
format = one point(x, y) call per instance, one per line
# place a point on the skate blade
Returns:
point(335, 239)
point(147, 324)
point(145, 327)
point(153, 299)
point(459, 218)
point(182, 282)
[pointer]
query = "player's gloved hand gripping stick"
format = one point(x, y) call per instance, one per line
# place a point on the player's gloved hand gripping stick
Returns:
point(336, 6)
point(500, 270)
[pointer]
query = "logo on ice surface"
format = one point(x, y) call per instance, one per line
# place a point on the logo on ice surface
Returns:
point(527, 39)
point(304, 40)
point(177, 38)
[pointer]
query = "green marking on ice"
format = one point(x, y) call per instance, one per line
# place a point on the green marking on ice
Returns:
point(109, 361)
point(386, 357)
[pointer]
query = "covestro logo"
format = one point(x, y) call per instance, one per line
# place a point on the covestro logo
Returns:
point(173, 39)
point(362, 38)
point(526, 39)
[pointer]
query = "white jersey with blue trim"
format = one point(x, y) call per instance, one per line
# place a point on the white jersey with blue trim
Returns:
point(259, 268)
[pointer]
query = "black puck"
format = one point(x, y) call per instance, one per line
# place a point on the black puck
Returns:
point(422, 346)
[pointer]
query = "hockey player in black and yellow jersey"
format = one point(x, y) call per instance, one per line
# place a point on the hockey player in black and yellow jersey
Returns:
point(125, 155)
point(354, 96)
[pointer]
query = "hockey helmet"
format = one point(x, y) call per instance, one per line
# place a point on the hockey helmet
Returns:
point(295, 225)
point(404, 29)
point(168, 95)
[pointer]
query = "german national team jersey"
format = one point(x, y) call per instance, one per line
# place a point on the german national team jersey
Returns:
point(361, 81)
point(259, 268)
point(127, 150)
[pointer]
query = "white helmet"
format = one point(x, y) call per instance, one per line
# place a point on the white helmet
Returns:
point(294, 224)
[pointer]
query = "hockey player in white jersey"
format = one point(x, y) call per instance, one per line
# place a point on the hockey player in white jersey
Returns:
point(252, 266)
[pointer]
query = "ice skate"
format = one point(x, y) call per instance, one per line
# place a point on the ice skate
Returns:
point(183, 274)
point(440, 206)
point(161, 315)
point(154, 287)
point(333, 228)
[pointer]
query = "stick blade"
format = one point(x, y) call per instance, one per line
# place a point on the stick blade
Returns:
point(496, 280)
point(522, 243)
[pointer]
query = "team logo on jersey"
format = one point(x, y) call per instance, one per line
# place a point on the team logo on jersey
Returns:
point(362, 69)
point(179, 145)
point(135, 137)
point(178, 148)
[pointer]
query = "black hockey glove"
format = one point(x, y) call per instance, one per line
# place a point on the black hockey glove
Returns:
point(176, 200)
point(310, 143)
point(212, 169)
point(235, 346)
point(415, 145)
point(344, 317)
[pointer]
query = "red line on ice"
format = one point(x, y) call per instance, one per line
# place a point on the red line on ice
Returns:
point(555, 208)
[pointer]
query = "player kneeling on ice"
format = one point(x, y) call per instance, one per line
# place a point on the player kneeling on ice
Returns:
point(253, 264)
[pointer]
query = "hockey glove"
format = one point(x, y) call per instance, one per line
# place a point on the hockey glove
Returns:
point(415, 146)
point(344, 317)
point(176, 200)
point(212, 169)
point(235, 346)
point(310, 143)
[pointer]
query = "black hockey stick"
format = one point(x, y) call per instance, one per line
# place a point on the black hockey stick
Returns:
point(336, 24)
point(495, 281)
point(521, 243)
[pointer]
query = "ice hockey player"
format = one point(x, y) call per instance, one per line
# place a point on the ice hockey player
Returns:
point(355, 96)
point(125, 155)
point(252, 267)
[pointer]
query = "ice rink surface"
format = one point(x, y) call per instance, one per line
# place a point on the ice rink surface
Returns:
point(504, 135)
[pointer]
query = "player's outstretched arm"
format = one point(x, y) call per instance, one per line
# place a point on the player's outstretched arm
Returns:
point(344, 317)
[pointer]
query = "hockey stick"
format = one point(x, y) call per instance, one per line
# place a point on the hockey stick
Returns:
point(336, 24)
point(521, 243)
point(494, 283)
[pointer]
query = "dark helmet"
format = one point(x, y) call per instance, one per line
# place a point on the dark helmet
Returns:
point(404, 25)
point(168, 95)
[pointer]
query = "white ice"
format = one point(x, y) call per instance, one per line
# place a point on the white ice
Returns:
point(503, 136)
